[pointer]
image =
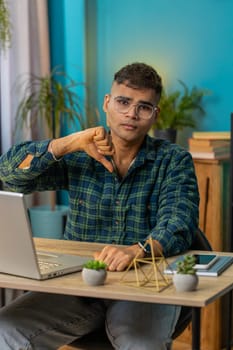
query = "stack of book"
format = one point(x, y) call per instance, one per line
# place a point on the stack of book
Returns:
point(210, 145)
point(222, 263)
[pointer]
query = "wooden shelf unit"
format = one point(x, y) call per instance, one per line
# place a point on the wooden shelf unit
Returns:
point(213, 178)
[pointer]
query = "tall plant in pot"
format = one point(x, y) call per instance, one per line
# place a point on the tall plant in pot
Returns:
point(49, 100)
point(178, 110)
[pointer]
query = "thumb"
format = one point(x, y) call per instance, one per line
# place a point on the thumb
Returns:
point(106, 163)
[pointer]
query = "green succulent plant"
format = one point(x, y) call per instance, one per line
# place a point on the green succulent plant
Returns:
point(186, 266)
point(95, 265)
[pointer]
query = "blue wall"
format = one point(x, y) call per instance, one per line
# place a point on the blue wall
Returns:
point(188, 40)
point(67, 40)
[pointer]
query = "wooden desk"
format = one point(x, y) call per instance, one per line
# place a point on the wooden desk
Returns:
point(209, 289)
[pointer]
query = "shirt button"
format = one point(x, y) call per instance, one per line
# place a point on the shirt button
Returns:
point(116, 222)
point(117, 202)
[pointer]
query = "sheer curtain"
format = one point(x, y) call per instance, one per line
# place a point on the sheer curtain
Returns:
point(29, 53)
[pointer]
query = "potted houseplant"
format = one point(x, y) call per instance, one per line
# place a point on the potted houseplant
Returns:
point(178, 110)
point(94, 272)
point(185, 279)
point(5, 26)
point(49, 100)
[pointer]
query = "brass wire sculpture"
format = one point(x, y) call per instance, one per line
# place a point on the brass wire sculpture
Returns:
point(149, 271)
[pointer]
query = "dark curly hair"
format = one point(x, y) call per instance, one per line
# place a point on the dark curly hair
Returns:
point(139, 75)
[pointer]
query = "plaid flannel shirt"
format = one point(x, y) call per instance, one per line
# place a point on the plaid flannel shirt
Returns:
point(158, 196)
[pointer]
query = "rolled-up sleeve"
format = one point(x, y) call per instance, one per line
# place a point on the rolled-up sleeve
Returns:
point(29, 179)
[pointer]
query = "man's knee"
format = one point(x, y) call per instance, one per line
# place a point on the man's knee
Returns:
point(10, 335)
point(132, 325)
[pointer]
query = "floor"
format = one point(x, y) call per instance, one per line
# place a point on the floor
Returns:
point(180, 346)
point(177, 345)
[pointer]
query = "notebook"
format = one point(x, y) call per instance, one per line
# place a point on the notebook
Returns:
point(18, 255)
point(223, 262)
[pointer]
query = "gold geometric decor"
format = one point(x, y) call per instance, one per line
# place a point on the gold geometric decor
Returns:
point(148, 271)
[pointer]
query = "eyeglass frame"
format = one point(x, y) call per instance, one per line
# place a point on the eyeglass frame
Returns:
point(154, 108)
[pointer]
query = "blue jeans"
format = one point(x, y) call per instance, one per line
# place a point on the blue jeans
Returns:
point(42, 321)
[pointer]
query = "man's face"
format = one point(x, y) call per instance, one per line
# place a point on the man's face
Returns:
point(129, 126)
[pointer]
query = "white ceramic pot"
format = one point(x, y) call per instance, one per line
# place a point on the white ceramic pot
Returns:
point(184, 282)
point(94, 277)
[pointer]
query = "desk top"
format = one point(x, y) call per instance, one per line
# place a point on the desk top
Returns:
point(209, 288)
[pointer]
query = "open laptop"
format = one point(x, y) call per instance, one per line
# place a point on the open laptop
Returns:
point(18, 254)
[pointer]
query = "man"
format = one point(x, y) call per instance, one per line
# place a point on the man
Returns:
point(124, 186)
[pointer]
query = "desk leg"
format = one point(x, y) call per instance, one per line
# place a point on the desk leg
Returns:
point(196, 329)
point(2, 297)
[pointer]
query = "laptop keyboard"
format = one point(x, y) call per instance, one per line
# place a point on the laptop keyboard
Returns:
point(45, 265)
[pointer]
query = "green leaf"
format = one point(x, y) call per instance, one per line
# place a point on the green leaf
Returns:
point(180, 108)
point(186, 266)
point(5, 26)
point(95, 265)
point(52, 98)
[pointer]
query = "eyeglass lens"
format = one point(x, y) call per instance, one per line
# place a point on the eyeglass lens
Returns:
point(142, 110)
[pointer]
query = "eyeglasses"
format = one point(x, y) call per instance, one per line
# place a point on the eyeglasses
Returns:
point(143, 110)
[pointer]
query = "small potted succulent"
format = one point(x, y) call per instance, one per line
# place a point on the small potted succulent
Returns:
point(94, 272)
point(185, 279)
